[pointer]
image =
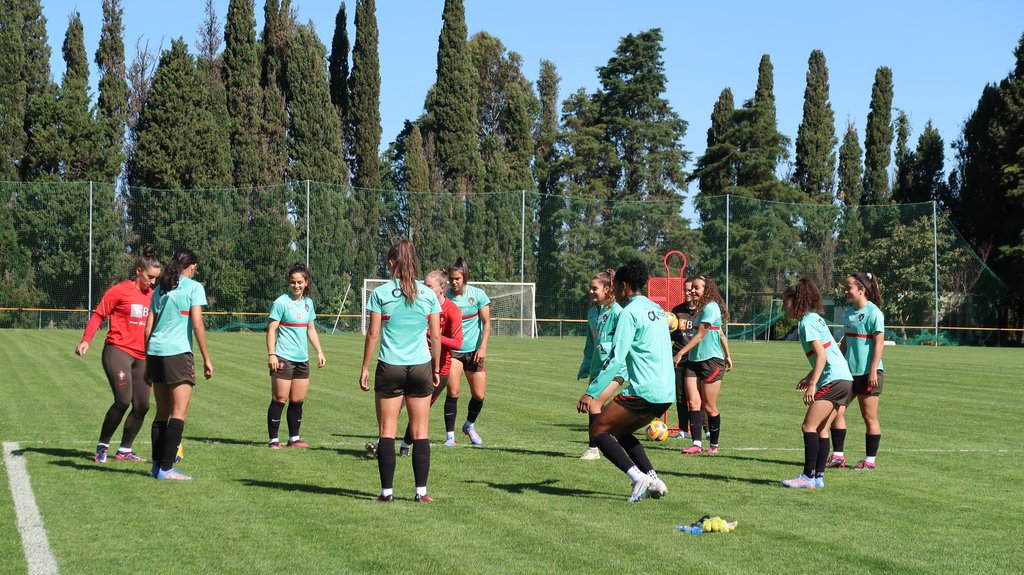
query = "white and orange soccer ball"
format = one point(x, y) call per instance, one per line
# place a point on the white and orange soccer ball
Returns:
point(657, 430)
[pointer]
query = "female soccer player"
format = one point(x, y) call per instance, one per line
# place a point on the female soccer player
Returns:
point(124, 354)
point(826, 387)
point(175, 313)
point(685, 312)
point(707, 365)
point(602, 317)
point(406, 367)
point(292, 323)
point(476, 331)
point(862, 345)
point(641, 345)
point(451, 339)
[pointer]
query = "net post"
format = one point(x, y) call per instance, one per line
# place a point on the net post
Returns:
point(935, 263)
point(727, 196)
point(90, 244)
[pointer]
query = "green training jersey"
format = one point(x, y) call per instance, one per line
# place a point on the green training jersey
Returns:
point(601, 322)
point(292, 331)
point(711, 345)
point(861, 325)
point(813, 328)
point(641, 345)
point(472, 300)
point(172, 332)
point(402, 341)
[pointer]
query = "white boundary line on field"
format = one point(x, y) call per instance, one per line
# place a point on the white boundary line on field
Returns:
point(30, 522)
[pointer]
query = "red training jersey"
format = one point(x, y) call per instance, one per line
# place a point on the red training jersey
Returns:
point(127, 308)
point(451, 333)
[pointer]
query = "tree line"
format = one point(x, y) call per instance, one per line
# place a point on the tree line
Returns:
point(601, 175)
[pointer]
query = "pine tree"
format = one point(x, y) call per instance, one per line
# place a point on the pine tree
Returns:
point(552, 204)
point(452, 105)
point(903, 183)
point(816, 138)
point(112, 105)
point(878, 140)
point(13, 91)
point(338, 67)
point(927, 175)
point(365, 134)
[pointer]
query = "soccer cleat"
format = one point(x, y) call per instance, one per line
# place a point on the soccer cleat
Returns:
point(800, 482)
point(591, 454)
point(640, 488)
point(423, 499)
point(101, 454)
point(275, 445)
point(864, 465)
point(403, 451)
point(835, 462)
point(712, 449)
point(298, 443)
point(386, 498)
point(658, 489)
point(449, 441)
point(180, 454)
point(692, 449)
point(128, 456)
point(819, 482)
point(371, 448)
point(173, 473)
point(474, 437)
point(154, 470)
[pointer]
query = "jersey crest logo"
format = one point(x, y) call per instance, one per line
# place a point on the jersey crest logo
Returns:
point(604, 317)
point(307, 307)
point(860, 317)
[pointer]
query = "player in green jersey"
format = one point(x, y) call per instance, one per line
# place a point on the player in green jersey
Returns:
point(475, 306)
point(602, 317)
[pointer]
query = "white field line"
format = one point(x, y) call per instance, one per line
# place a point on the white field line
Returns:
point(548, 447)
point(30, 523)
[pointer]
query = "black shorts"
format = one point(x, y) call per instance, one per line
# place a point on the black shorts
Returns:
point(441, 386)
point(289, 370)
point(171, 369)
point(707, 371)
point(681, 382)
point(408, 380)
point(839, 392)
point(466, 359)
point(641, 406)
point(860, 385)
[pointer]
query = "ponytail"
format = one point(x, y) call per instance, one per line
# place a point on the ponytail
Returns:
point(301, 269)
point(462, 267)
point(181, 259)
point(606, 277)
point(147, 260)
point(869, 283)
point(402, 257)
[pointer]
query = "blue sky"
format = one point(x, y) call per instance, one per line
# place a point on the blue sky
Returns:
point(942, 52)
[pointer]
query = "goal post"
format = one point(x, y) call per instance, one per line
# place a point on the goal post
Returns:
point(513, 306)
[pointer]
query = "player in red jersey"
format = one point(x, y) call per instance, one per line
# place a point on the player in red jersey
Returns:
point(126, 304)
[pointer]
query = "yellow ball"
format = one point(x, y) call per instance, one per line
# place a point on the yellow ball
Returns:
point(657, 430)
point(673, 321)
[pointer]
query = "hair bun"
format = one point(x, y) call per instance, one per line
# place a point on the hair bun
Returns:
point(148, 251)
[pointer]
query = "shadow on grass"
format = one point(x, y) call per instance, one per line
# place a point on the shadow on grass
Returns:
point(306, 488)
point(522, 451)
point(547, 487)
point(58, 452)
point(104, 467)
point(355, 453)
point(724, 478)
point(223, 440)
point(762, 460)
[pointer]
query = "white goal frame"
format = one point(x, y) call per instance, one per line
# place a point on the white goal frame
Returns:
point(525, 325)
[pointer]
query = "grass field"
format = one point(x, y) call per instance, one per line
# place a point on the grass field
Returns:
point(947, 495)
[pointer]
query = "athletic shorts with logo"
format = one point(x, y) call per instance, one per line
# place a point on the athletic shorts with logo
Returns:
point(171, 369)
point(860, 385)
point(707, 371)
point(466, 359)
point(839, 392)
point(408, 380)
point(288, 369)
point(642, 407)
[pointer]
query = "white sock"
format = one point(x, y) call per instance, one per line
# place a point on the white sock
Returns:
point(451, 434)
point(421, 491)
point(697, 442)
point(635, 474)
point(107, 445)
point(124, 449)
point(275, 440)
point(386, 492)
point(293, 438)
point(653, 474)
point(837, 454)
point(869, 459)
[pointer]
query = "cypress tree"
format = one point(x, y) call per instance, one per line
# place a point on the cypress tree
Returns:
point(81, 138)
point(241, 77)
point(338, 67)
point(816, 138)
point(452, 106)
point(903, 181)
point(552, 204)
point(928, 180)
point(851, 184)
point(13, 91)
point(112, 105)
point(421, 201)
point(758, 137)
point(277, 26)
point(40, 91)
point(716, 168)
point(365, 134)
point(878, 140)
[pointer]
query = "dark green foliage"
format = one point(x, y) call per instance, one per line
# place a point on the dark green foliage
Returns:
point(112, 104)
point(364, 135)
point(241, 77)
point(278, 25)
point(878, 140)
point(17, 276)
point(338, 69)
point(928, 181)
point(851, 184)
point(81, 137)
point(552, 203)
point(816, 138)
point(904, 157)
point(716, 169)
point(13, 91)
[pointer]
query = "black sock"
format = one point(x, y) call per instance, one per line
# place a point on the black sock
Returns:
point(684, 417)
point(386, 461)
point(819, 462)
point(810, 452)
point(475, 405)
point(111, 420)
point(592, 417)
point(420, 461)
point(157, 433)
point(451, 409)
point(838, 439)
point(636, 452)
point(613, 451)
point(274, 419)
point(714, 427)
point(695, 420)
point(871, 444)
point(294, 418)
point(407, 438)
point(172, 437)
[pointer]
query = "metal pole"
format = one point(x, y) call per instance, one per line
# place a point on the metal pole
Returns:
point(308, 227)
point(935, 263)
point(90, 246)
point(522, 240)
point(727, 251)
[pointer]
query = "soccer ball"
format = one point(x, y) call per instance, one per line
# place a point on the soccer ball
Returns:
point(657, 430)
point(673, 321)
